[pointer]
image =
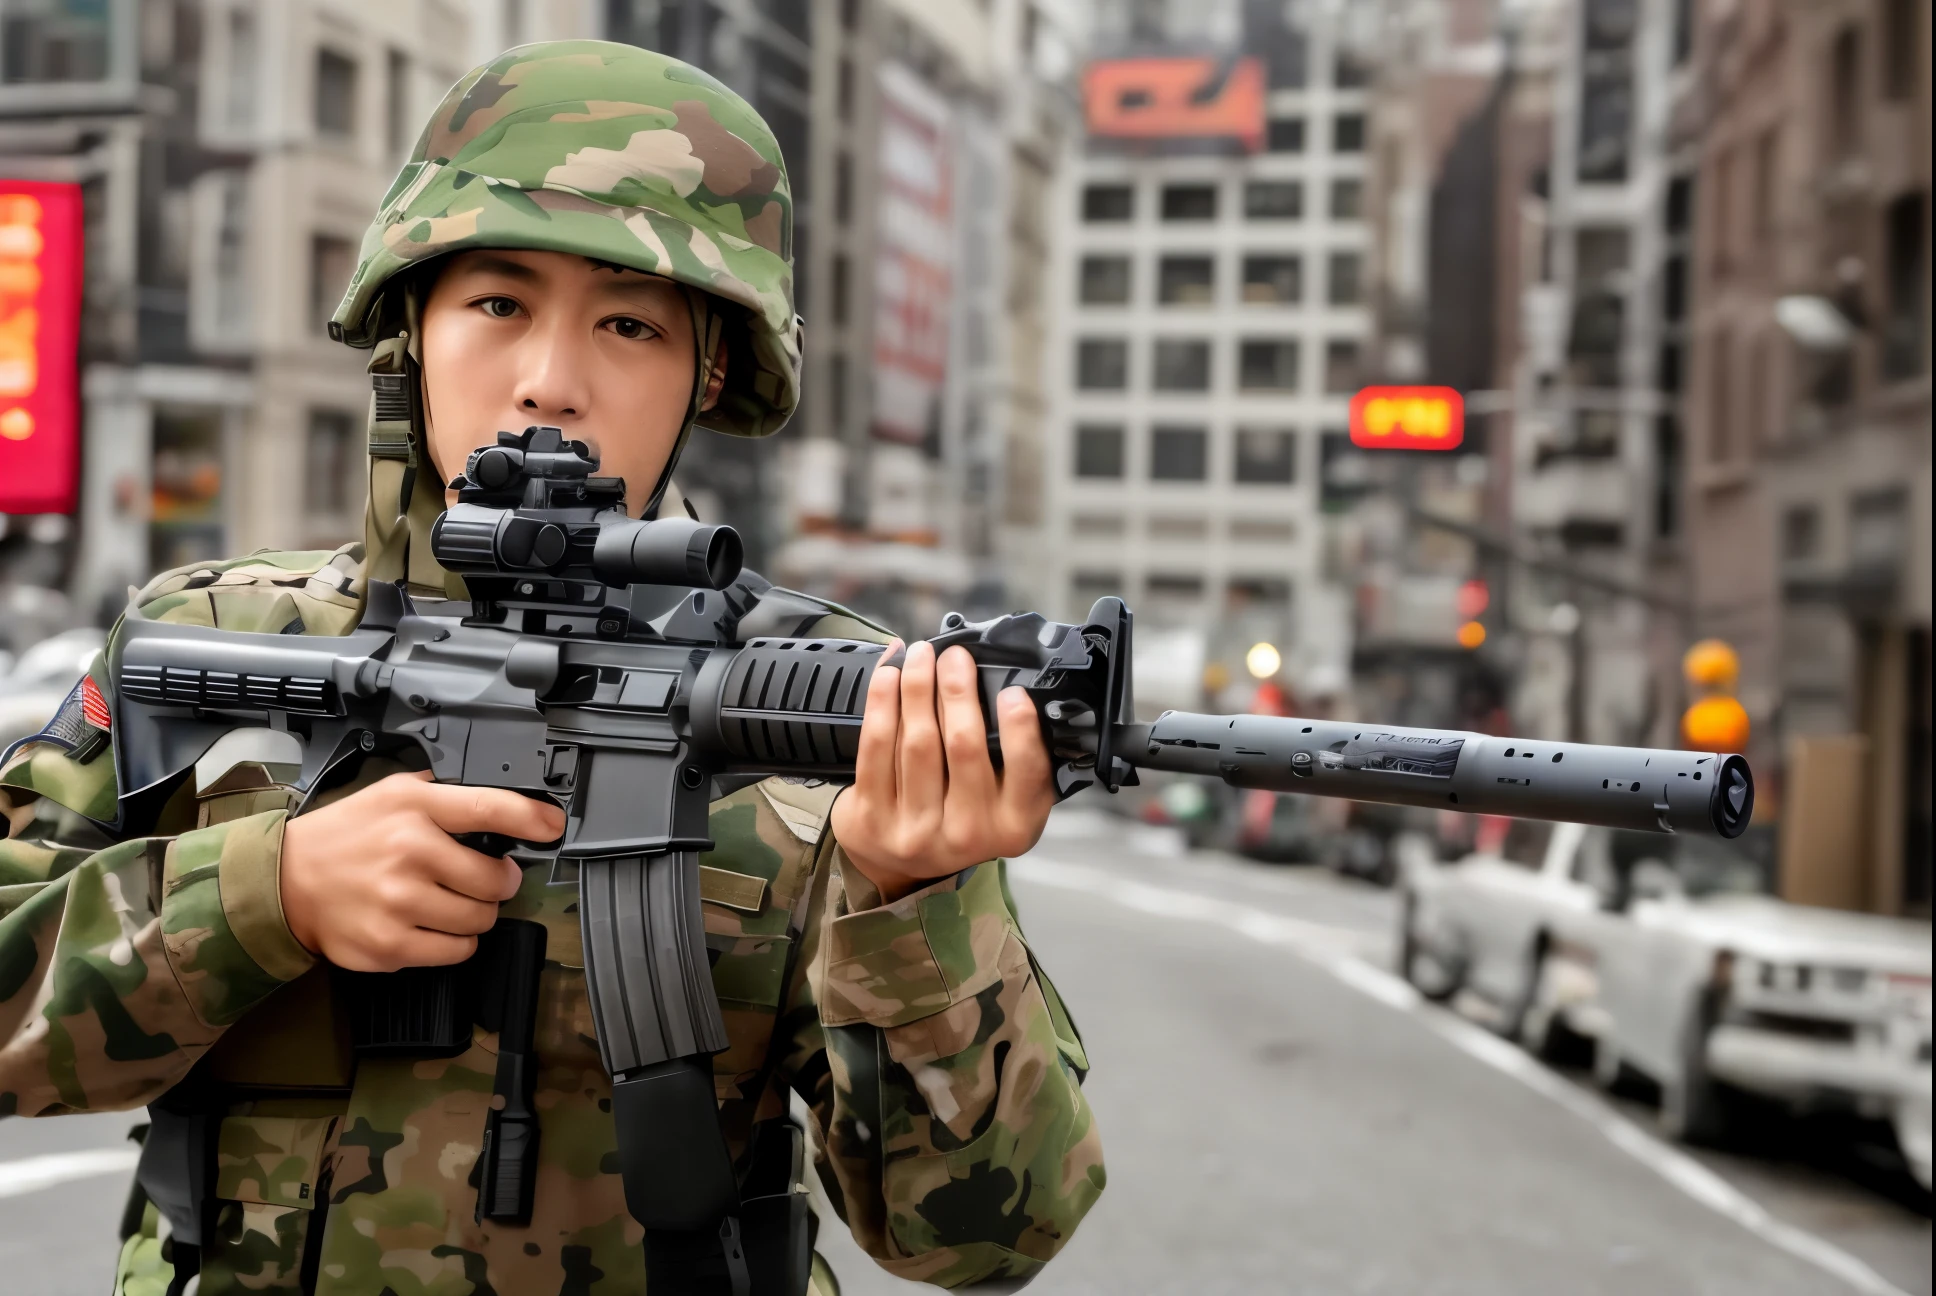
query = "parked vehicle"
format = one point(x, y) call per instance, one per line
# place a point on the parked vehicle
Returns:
point(1669, 957)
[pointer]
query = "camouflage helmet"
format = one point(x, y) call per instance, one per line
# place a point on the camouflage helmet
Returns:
point(612, 152)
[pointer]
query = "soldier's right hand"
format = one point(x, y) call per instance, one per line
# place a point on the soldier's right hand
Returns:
point(374, 883)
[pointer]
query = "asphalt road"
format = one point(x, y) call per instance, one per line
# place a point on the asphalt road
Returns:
point(1280, 1114)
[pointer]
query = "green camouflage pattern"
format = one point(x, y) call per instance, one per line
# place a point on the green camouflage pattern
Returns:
point(942, 1075)
point(615, 153)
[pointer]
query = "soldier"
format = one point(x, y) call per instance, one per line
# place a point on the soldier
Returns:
point(597, 237)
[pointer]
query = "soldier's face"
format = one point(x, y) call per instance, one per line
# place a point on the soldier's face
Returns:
point(515, 338)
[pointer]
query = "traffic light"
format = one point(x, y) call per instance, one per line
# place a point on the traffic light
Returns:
point(1716, 721)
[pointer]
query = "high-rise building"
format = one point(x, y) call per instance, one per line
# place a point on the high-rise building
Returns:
point(1212, 324)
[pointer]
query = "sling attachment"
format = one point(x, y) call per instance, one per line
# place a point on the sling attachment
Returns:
point(177, 1172)
point(508, 1164)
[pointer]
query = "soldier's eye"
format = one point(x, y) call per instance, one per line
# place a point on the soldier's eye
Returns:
point(499, 307)
point(631, 329)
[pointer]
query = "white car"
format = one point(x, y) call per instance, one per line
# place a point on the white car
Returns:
point(1670, 957)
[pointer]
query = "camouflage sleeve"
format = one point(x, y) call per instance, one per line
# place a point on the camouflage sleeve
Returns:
point(946, 1081)
point(120, 963)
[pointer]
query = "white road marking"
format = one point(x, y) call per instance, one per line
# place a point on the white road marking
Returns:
point(1331, 949)
point(31, 1174)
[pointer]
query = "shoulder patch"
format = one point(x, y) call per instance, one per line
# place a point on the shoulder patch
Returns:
point(79, 726)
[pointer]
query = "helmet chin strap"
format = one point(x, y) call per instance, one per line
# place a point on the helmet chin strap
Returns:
point(707, 328)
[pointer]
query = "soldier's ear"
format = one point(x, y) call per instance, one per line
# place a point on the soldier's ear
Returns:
point(715, 376)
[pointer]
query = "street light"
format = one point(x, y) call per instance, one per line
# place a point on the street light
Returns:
point(1263, 660)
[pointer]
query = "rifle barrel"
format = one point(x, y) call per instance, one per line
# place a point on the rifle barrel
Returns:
point(1647, 789)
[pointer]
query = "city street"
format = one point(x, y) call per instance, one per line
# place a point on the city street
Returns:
point(1281, 1114)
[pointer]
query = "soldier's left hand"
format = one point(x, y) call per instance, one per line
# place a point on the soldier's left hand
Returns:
point(926, 800)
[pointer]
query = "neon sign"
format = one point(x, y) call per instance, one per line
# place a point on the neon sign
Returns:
point(40, 317)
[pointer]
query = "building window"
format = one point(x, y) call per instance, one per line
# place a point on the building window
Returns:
point(1102, 364)
point(1181, 365)
point(1606, 90)
point(1845, 88)
point(1099, 450)
point(1720, 400)
point(837, 288)
point(1801, 533)
point(1673, 288)
point(1273, 280)
point(844, 89)
point(1668, 376)
point(1348, 133)
point(837, 392)
point(396, 104)
point(1173, 594)
point(239, 105)
point(1285, 135)
point(1179, 454)
point(1105, 281)
point(1899, 45)
point(1108, 202)
point(69, 44)
point(1347, 200)
point(1262, 530)
point(1680, 204)
point(1085, 587)
point(1683, 35)
point(1904, 332)
point(1265, 456)
point(1341, 369)
point(231, 256)
point(1667, 476)
point(330, 261)
point(1351, 71)
point(1186, 281)
point(329, 462)
point(1267, 364)
point(843, 188)
point(1273, 200)
point(335, 94)
point(1344, 279)
point(1767, 159)
point(1189, 202)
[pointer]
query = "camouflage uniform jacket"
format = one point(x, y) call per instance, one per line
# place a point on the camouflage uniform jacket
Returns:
point(941, 1071)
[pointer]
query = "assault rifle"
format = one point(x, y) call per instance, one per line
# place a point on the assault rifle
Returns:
point(629, 671)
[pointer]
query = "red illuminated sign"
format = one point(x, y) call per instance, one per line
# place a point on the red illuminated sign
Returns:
point(1407, 418)
point(40, 320)
point(1176, 98)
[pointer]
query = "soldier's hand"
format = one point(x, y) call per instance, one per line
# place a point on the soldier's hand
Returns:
point(374, 883)
point(926, 800)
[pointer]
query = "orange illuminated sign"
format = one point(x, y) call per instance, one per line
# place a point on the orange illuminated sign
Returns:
point(40, 317)
point(1176, 98)
point(1407, 418)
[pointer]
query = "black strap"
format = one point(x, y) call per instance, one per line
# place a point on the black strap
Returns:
point(513, 954)
point(177, 1172)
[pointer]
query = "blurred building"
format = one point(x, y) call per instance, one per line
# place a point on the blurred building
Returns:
point(229, 156)
point(924, 301)
point(1212, 326)
point(1461, 137)
point(1807, 501)
point(231, 151)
